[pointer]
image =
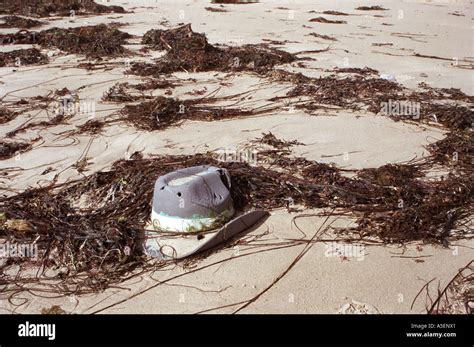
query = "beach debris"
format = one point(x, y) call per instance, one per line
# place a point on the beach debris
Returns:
point(55, 309)
point(351, 91)
point(215, 9)
point(357, 307)
point(22, 37)
point(324, 37)
point(22, 57)
point(455, 150)
point(361, 71)
point(335, 13)
point(6, 115)
point(327, 21)
point(456, 13)
point(381, 44)
point(273, 141)
point(387, 77)
point(240, 2)
point(391, 174)
point(371, 8)
point(192, 212)
point(46, 8)
point(19, 22)
point(91, 127)
point(162, 112)
point(9, 149)
point(190, 51)
point(108, 210)
point(51, 122)
point(118, 93)
point(95, 41)
point(457, 297)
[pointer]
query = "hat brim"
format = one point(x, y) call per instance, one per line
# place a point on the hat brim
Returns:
point(169, 246)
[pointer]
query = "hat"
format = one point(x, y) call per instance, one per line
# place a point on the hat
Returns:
point(192, 212)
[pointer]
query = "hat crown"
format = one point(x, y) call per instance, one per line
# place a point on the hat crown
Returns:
point(195, 192)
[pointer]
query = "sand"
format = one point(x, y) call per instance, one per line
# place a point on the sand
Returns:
point(383, 279)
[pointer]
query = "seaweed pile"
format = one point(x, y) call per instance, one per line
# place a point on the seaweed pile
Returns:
point(191, 52)
point(455, 150)
point(324, 37)
point(94, 237)
point(46, 8)
point(95, 233)
point(327, 21)
point(10, 149)
point(118, 93)
point(352, 92)
point(22, 57)
point(94, 41)
point(363, 91)
point(361, 71)
point(335, 13)
point(371, 8)
point(162, 112)
point(271, 140)
point(19, 22)
point(6, 115)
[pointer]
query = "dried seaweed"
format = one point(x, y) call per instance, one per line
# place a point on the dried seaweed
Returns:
point(19, 22)
point(391, 174)
point(46, 8)
point(272, 140)
point(351, 92)
point(371, 8)
point(327, 21)
point(215, 9)
point(93, 41)
point(22, 57)
point(324, 37)
point(162, 112)
point(117, 93)
point(191, 52)
point(56, 120)
point(152, 84)
point(91, 127)
point(335, 13)
point(361, 71)
point(239, 2)
point(6, 115)
point(10, 149)
point(95, 235)
point(455, 150)
point(457, 297)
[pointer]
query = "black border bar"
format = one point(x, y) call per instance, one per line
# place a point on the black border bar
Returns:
point(247, 329)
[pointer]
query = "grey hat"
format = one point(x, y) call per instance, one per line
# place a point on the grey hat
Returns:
point(191, 208)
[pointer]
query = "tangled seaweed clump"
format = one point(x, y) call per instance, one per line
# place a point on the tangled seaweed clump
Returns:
point(19, 22)
point(94, 41)
point(350, 92)
point(162, 112)
point(327, 21)
point(190, 51)
point(22, 57)
point(46, 8)
point(10, 149)
point(96, 233)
